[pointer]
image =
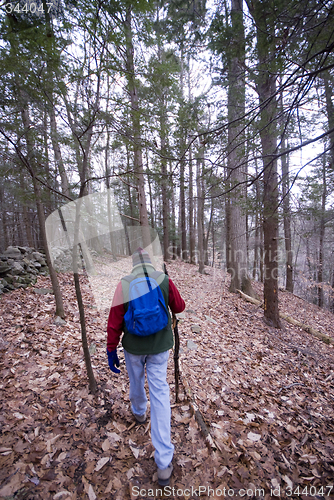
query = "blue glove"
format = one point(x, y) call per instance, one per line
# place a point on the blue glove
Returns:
point(113, 361)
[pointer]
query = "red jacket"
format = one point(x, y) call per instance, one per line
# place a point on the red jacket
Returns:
point(116, 315)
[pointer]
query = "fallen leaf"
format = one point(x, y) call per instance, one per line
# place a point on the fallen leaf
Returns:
point(18, 415)
point(106, 445)
point(288, 481)
point(62, 494)
point(101, 463)
point(113, 437)
point(275, 483)
point(13, 485)
point(130, 473)
point(88, 489)
point(254, 437)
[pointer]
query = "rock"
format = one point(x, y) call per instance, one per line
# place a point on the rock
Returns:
point(191, 345)
point(180, 315)
point(196, 328)
point(4, 268)
point(20, 266)
point(17, 268)
point(211, 319)
point(13, 252)
point(21, 280)
point(25, 250)
point(30, 270)
point(57, 253)
point(43, 291)
point(39, 258)
point(59, 321)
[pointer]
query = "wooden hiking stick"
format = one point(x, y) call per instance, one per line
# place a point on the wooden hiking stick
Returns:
point(176, 350)
point(212, 444)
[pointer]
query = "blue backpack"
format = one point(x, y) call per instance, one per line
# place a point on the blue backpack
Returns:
point(147, 312)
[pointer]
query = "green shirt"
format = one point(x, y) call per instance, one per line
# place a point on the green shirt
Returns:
point(157, 342)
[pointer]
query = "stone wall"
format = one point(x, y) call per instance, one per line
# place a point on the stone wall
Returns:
point(19, 267)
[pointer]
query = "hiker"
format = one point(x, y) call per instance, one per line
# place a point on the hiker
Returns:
point(151, 350)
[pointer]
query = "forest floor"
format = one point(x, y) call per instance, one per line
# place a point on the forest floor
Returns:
point(265, 394)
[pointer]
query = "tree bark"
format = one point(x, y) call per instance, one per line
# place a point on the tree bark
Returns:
point(57, 152)
point(287, 220)
point(84, 341)
point(322, 236)
point(164, 178)
point(192, 257)
point(40, 210)
point(237, 223)
point(3, 219)
point(266, 89)
point(200, 209)
point(110, 206)
point(286, 207)
point(135, 115)
point(27, 222)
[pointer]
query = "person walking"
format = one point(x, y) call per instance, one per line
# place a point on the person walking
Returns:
point(146, 349)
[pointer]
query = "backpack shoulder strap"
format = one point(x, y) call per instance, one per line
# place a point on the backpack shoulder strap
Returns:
point(129, 278)
point(156, 274)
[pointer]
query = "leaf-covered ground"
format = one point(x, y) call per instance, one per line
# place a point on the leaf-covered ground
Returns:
point(266, 395)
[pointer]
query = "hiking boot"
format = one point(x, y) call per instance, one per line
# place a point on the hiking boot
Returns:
point(164, 475)
point(140, 419)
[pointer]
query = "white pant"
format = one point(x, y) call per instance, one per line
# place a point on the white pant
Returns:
point(156, 370)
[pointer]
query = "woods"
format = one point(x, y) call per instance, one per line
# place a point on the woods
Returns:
point(132, 96)
point(211, 123)
point(265, 396)
point(205, 131)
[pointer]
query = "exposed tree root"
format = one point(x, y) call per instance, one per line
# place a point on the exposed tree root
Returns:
point(292, 321)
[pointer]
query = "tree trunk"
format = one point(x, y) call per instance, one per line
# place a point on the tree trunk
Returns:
point(132, 214)
point(237, 244)
point(84, 341)
point(329, 92)
point(287, 220)
point(286, 207)
point(109, 201)
point(183, 213)
point(4, 219)
point(27, 222)
point(330, 116)
point(200, 209)
point(192, 257)
point(322, 235)
point(182, 204)
point(51, 110)
point(270, 220)
point(135, 115)
point(173, 221)
point(266, 89)
point(164, 178)
point(48, 203)
point(40, 211)
point(57, 153)
point(206, 237)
